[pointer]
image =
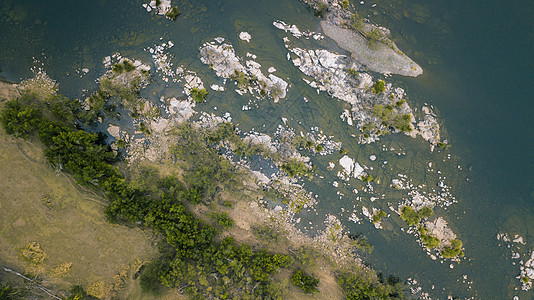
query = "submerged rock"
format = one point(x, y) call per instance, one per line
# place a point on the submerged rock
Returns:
point(245, 36)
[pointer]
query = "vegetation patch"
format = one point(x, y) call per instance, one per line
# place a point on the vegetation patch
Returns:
point(125, 66)
point(61, 270)
point(33, 253)
point(320, 9)
point(390, 117)
point(454, 250)
point(223, 220)
point(173, 14)
point(363, 286)
point(353, 72)
point(412, 217)
point(367, 178)
point(430, 241)
point(305, 282)
point(379, 86)
point(378, 215)
point(199, 95)
point(360, 242)
point(296, 168)
point(8, 292)
point(266, 234)
point(242, 79)
point(193, 258)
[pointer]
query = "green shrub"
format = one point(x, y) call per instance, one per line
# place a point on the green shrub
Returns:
point(443, 145)
point(356, 23)
point(367, 178)
point(20, 120)
point(454, 250)
point(430, 241)
point(266, 233)
point(173, 14)
point(243, 80)
point(360, 242)
point(128, 66)
point(379, 86)
point(374, 37)
point(320, 10)
point(403, 122)
point(353, 72)
point(8, 292)
point(305, 282)
point(224, 220)
point(410, 216)
point(117, 68)
point(144, 128)
point(399, 103)
point(363, 286)
point(296, 168)
point(425, 212)
point(77, 292)
point(121, 144)
point(377, 217)
point(150, 278)
point(199, 95)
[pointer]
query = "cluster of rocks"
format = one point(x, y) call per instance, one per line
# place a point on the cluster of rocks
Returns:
point(525, 261)
point(162, 61)
point(222, 59)
point(295, 31)
point(349, 168)
point(160, 7)
point(378, 53)
point(125, 78)
point(41, 84)
point(343, 78)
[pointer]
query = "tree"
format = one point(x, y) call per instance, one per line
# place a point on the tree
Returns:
point(20, 120)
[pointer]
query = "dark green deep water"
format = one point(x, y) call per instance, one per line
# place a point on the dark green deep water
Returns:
point(477, 59)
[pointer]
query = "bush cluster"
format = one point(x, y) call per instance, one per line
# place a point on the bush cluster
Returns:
point(363, 287)
point(305, 282)
point(412, 217)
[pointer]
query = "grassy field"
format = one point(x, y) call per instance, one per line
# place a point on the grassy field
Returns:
point(66, 237)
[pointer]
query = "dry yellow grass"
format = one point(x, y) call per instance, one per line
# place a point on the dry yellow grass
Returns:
point(50, 226)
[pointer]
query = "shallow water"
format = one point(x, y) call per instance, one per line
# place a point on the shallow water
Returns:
point(477, 68)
